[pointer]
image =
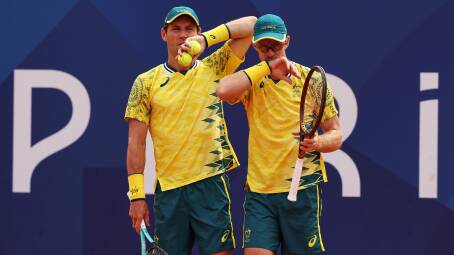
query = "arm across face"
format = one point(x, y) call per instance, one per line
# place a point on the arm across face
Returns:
point(238, 32)
point(233, 86)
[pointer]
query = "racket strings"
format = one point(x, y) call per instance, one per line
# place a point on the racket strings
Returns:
point(156, 250)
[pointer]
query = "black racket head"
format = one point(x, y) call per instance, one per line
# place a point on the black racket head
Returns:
point(156, 250)
point(312, 104)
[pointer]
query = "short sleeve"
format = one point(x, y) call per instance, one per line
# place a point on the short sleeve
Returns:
point(139, 107)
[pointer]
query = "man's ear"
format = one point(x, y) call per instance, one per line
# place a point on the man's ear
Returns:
point(163, 34)
point(287, 41)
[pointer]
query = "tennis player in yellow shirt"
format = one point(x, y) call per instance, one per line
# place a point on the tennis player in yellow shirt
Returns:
point(270, 92)
point(179, 107)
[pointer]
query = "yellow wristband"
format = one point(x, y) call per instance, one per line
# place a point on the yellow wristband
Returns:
point(216, 35)
point(136, 190)
point(257, 72)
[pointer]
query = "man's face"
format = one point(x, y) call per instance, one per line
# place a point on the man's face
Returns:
point(176, 32)
point(269, 49)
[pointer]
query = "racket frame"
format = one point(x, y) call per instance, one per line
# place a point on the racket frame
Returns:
point(296, 176)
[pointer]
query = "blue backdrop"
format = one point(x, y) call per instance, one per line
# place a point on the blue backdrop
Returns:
point(395, 56)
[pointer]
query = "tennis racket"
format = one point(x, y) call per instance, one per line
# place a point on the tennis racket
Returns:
point(312, 105)
point(144, 237)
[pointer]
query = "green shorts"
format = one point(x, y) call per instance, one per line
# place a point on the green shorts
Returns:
point(198, 211)
point(271, 221)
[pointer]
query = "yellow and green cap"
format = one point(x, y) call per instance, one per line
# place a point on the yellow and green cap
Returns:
point(269, 26)
point(177, 11)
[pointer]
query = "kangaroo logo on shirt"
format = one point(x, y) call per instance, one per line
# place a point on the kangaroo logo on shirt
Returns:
point(296, 90)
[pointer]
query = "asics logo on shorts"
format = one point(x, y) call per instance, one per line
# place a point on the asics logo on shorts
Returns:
point(225, 236)
point(312, 242)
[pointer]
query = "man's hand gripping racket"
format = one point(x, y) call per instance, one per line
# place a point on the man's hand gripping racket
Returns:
point(154, 248)
point(142, 211)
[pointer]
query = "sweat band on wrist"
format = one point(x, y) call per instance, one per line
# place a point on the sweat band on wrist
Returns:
point(257, 72)
point(216, 35)
point(136, 184)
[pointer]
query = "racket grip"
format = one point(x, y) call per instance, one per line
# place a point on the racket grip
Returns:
point(143, 243)
point(144, 231)
point(295, 180)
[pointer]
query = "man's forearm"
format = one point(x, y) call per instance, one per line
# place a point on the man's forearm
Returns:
point(235, 29)
point(329, 141)
point(135, 165)
point(242, 27)
point(232, 87)
point(135, 162)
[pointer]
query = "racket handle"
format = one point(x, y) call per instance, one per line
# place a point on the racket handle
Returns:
point(144, 231)
point(144, 236)
point(295, 180)
point(143, 243)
